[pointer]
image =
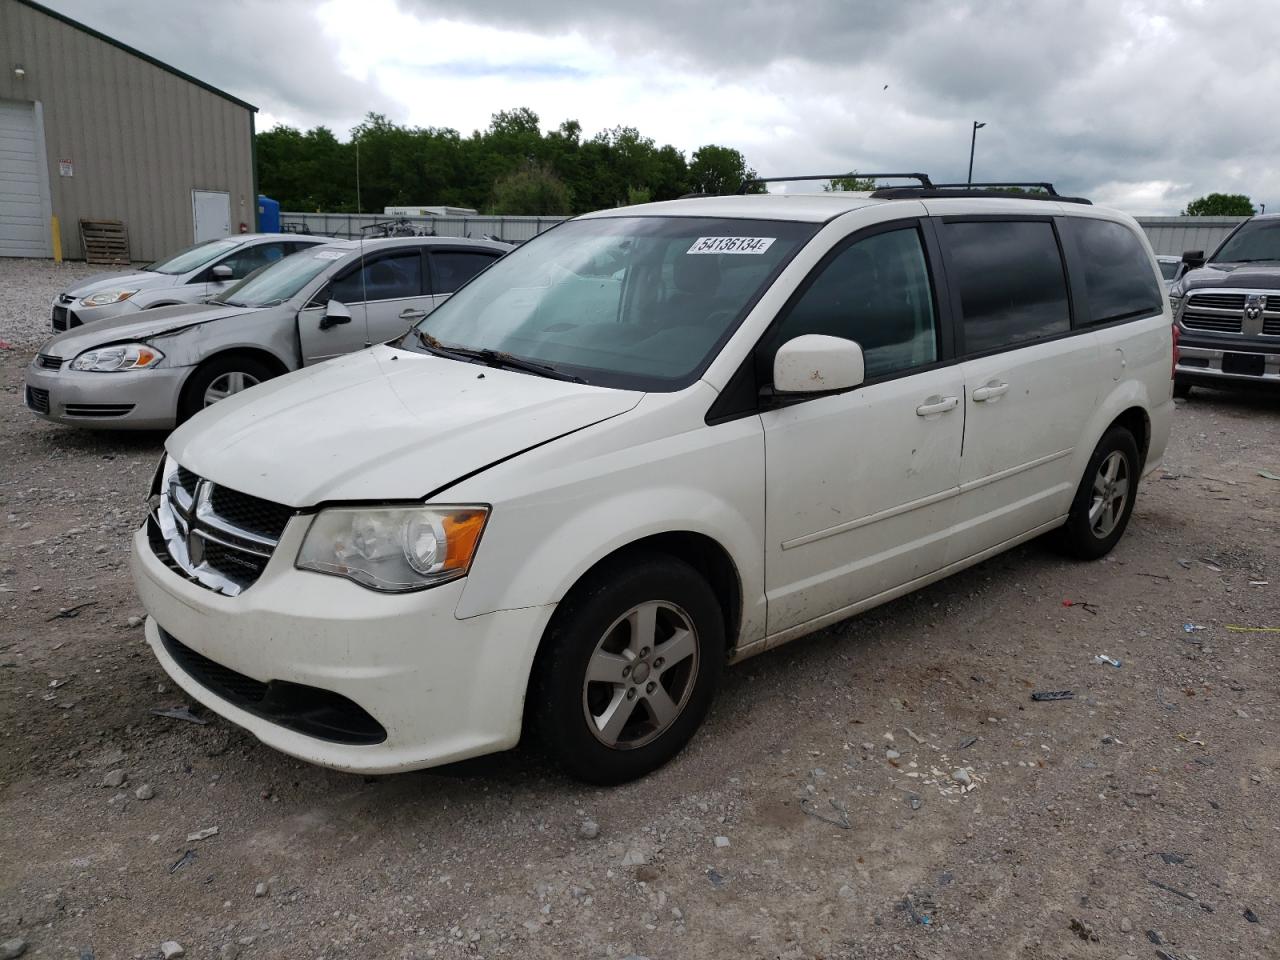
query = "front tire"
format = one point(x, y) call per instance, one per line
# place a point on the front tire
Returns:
point(1103, 504)
point(218, 378)
point(628, 669)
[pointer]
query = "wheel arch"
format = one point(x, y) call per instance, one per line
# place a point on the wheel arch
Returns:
point(266, 357)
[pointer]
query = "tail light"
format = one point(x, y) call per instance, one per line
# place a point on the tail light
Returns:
point(1176, 356)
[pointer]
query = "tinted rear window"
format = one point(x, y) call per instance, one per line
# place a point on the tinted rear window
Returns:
point(1013, 288)
point(1117, 272)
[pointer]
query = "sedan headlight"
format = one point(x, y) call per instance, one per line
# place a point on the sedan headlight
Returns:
point(107, 296)
point(117, 357)
point(393, 549)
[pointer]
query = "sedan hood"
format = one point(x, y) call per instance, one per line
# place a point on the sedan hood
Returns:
point(382, 424)
point(136, 325)
point(1248, 276)
point(139, 280)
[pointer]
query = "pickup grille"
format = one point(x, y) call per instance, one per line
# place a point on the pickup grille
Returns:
point(1194, 319)
point(217, 537)
point(1218, 301)
point(1271, 326)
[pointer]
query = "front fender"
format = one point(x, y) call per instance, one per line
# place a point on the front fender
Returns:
point(568, 511)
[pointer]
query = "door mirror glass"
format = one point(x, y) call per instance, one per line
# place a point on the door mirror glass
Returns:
point(335, 313)
point(221, 272)
point(1193, 259)
point(815, 363)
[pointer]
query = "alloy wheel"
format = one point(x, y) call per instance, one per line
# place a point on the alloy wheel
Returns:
point(1110, 494)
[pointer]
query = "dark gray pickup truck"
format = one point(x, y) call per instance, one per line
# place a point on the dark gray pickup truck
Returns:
point(1227, 308)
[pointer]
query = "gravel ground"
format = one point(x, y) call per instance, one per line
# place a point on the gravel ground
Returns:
point(886, 788)
point(29, 286)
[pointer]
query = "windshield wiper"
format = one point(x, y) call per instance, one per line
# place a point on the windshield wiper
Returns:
point(495, 358)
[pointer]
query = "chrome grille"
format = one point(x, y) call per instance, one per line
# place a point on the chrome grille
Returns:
point(1217, 301)
point(1271, 326)
point(1217, 322)
point(48, 361)
point(216, 536)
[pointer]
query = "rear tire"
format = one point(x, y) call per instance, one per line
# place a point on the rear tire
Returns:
point(628, 669)
point(1104, 502)
point(218, 378)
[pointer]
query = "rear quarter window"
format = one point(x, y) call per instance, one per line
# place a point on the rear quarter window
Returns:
point(1119, 281)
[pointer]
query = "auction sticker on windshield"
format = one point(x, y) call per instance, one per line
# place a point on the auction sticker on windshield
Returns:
point(731, 245)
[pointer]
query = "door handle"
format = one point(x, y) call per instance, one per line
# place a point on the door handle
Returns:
point(937, 405)
point(408, 313)
point(992, 391)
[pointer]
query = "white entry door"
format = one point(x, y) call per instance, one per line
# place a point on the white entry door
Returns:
point(211, 210)
point(24, 222)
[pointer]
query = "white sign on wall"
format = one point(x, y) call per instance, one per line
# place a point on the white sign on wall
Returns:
point(65, 169)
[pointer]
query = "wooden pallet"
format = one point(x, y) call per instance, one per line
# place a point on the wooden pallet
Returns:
point(105, 241)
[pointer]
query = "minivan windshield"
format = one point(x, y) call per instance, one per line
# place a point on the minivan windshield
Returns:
point(635, 302)
point(276, 283)
point(193, 258)
point(1255, 241)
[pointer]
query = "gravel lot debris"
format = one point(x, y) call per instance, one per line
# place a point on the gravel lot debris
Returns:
point(29, 288)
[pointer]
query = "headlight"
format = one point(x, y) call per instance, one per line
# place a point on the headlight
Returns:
point(109, 296)
point(1175, 301)
point(119, 356)
point(393, 549)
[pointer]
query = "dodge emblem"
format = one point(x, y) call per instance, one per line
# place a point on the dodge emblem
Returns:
point(1254, 304)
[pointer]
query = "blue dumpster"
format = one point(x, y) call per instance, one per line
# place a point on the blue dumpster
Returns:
point(268, 215)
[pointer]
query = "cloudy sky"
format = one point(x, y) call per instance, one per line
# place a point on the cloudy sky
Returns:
point(1140, 104)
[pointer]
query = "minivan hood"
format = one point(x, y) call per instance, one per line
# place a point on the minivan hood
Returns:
point(136, 325)
point(137, 280)
point(381, 424)
point(1247, 276)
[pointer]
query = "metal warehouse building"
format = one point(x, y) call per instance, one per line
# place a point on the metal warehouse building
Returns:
point(92, 129)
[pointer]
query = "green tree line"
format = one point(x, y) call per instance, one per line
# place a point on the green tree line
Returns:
point(512, 167)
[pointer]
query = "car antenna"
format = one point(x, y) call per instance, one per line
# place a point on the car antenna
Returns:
point(364, 288)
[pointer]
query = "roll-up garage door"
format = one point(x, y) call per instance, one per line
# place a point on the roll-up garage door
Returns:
point(23, 229)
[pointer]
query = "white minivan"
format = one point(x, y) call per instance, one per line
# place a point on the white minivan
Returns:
point(646, 444)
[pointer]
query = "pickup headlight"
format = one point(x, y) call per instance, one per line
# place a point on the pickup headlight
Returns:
point(107, 296)
point(118, 356)
point(393, 549)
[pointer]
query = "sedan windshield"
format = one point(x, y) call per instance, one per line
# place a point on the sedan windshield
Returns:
point(1257, 240)
point(276, 283)
point(635, 302)
point(193, 258)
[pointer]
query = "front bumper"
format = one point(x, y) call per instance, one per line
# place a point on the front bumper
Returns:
point(1202, 361)
point(128, 400)
point(442, 689)
point(67, 316)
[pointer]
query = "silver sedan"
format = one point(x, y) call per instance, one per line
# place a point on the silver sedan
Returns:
point(154, 369)
point(193, 275)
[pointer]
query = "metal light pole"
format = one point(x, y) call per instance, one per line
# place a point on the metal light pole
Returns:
point(973, 141)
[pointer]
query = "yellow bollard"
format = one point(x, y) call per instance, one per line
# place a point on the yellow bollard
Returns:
point(55, 235)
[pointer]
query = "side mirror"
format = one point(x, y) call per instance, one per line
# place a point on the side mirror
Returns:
point(1193, 259)
point(335, 313)
point(817, 364)
point(221, 272)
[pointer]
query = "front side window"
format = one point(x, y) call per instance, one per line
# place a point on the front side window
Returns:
point(392, 277)
point(875, 292)
point(450, 269)
point(248, 259)
point(193, 258)
point(641, 303)
point(1256, 241)
point(1013, 288)
point(1117, 272)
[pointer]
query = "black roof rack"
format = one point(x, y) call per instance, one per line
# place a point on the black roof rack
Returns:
point(1032, 190)
point(925, 182)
